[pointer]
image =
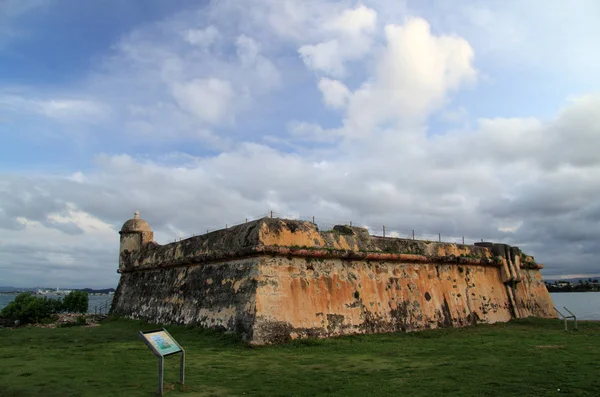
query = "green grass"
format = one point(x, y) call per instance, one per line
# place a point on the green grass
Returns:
point(529, 357)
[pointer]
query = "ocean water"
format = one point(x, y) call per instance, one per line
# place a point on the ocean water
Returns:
point(94, 300)
point(585, 305)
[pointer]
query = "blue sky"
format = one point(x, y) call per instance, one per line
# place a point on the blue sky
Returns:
point(466, 117)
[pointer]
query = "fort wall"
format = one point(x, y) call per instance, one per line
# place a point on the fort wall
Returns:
point(274, 280)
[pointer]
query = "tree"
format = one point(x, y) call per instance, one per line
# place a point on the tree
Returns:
point(76, 302)
point(27, 308)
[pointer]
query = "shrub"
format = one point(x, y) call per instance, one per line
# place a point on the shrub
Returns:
point(27, 308)
point(75, 302)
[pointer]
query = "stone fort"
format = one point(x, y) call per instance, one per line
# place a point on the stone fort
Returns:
point(273, 280)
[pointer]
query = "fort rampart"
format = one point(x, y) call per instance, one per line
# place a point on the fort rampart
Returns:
point(273, 280)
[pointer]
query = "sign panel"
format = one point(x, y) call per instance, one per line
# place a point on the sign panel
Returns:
point(161, 342)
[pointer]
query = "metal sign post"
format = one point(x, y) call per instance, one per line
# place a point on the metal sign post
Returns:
point(162, 344)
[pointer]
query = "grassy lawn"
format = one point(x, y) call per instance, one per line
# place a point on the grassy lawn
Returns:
point(529, 357)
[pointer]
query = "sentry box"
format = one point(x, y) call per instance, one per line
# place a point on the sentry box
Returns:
point(162, 345)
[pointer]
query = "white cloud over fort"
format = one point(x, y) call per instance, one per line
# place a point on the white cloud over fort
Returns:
point(336, 109)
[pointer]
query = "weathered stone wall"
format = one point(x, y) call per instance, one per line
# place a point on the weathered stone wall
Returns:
point(301, 297)
point(273, 280)
point(217, 295)
point(533, 298)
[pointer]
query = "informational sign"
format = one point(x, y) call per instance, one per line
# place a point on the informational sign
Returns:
point(162, 344)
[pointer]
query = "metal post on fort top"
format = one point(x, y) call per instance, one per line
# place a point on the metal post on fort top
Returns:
point(413, 234)
point(463, 240)
point(440, 237)
point(383, 230)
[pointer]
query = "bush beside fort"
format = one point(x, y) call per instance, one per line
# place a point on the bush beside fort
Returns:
point(27, 308)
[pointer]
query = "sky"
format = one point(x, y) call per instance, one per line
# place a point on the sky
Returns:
point(465, 118)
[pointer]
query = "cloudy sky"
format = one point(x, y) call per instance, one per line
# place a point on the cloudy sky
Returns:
point(466, 118)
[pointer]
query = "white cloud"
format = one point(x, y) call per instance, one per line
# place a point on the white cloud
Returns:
point(174, 80)
point(210, 100)
point(413, 77)
point(247, 50)
point(335, 93)
point(348, 36)
point(354, 22)
point(541, 37)
point(249, 53)
point(89, 224)
point(297, 21)
point(487, 191)
point(569, 140)
point(60, 109)
point(311, 132)
point(324, 56)
point(78, 177)
point(65, 109)
point(177, 91)
point(206, 74)
point(202, 37)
